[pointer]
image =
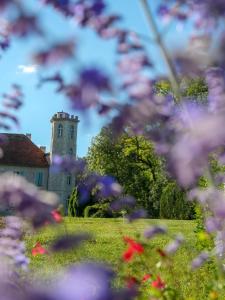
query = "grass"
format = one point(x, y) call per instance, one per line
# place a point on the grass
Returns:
point(107, 245)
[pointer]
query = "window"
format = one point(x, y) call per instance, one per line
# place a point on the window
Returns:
point(39, 179)
point(71, 131)
point(21, 173)
point(71, 151)
point(68, 179)
point(60, 130)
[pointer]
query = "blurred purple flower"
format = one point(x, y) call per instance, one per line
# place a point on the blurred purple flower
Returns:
point(69, 242)
point(127, 202)
point(136, 214)
point(215, 78)
point(213, 224)
point(25, 25)
point(174, 245)
point(108, 187)
point(62, 5)
point(86, 92)
point(94, 79)
point(12, 249)
point(26, 200)
point(130, 64)
point(199, 260)
point(220, 244)
point(4, 116)
point(154, 230)
point(14, 99)
point(199, 133)
point(86, 281)
point(67, 164)
point(56, 53)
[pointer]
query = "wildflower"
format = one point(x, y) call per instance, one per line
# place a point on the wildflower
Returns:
point(146, 277)
point(26, 200)
point(174, 245)
point(133, 248)
point(136, 214)
point(128, 254)
point(38, 249)
point(154, 230)
point(158, 283)
point(87, 281)
point(199, 260)
point(57, 216)
point(56, 53)
point(125, 202)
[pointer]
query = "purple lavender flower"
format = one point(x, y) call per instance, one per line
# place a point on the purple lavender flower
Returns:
point(136, 214)
point(215, 78)
point(108, 187)
point(67, 164)
point(95, 79)
point(14, 99)
point(25, 25)
point(199, 260)
point(213, 224)
point(87, 281)
point(127, 202)
point(154, 230)
point(174, 245)
point(26, 200)
point(220, 244)
point(56, 53)
point(198, 134)
point(12, 249)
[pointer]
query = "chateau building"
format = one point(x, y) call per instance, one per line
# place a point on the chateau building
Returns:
point(23, 157)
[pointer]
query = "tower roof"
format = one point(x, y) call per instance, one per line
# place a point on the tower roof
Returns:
point(61, 116)
point(19, 150)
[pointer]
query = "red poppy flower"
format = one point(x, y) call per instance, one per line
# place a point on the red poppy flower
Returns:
point(158, 283)
point(57, 216)
point(38, 249)
point(134, 245)
point(128, 254)
point(146, 277)
point(133, 248)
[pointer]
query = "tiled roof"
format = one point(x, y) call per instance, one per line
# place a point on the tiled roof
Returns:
point(20, 151)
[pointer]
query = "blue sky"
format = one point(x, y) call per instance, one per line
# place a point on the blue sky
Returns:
point(41, 104)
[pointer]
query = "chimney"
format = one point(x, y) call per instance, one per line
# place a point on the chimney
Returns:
point(28, 135)
point(43, 148)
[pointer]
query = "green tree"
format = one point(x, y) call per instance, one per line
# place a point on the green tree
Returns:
point(133, 162)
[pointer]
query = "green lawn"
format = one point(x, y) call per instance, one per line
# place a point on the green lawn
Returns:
point(107, 245)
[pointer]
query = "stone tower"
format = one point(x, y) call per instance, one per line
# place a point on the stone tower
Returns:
point(63, 142)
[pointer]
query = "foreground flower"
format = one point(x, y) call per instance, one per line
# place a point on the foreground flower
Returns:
point(174, 245)
point(154, 230)
point(133, 248)
point(38, 249)
point(57, 216)
point(199, 260)
point(26, 200)
point(146, 277)
point(158, 283)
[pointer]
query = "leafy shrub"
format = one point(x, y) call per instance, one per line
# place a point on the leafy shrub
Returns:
point(98, 210)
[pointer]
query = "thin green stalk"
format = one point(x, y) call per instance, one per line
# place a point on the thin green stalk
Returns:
point(157, 37)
